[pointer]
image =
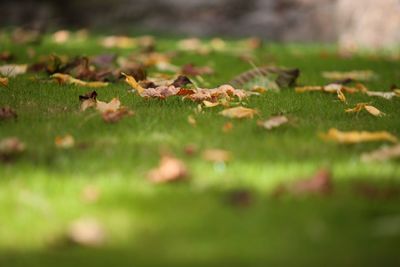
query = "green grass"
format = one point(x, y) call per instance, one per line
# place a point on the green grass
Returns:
point(192, 223)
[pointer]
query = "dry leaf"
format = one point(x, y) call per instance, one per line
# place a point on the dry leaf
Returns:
point(320, 183)
point(386, 95)
point(123, 42)
point(86, 232)
point(65, 142)
point(341, 96)
point(4, 81)
point(68, 79)
point(13, 70)
point(273, 122)
point(359, 75)
point(111, 116)
point(239, 112)
point(88, 100)
point(111, 106)
point(10, 147)
point(382, 154)
point(209, 104)
point(216, 155)
point(61, 37)
point(353, 137)
point(371, 109)
point(7, 113)
point(133, 83)
point(170, 169)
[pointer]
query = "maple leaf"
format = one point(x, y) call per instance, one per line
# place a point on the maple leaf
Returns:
point(68, 79)
point(216, 155)
point(86, 232)
point(273, 122)
point(65, 142)
point(170, 169)
point(382, 154)
point(239, 112)
point(358, 137)
point(7, 113)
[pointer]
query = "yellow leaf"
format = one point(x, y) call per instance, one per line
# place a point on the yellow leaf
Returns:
point(68, 79)
point(357, 108)
point(341, 96)
point(133, 83)
point(239, 112)
point(359, 75)
point(209, 104)
point(308, 89)
point(353, 137)
point(4, 81)
point(374, 111)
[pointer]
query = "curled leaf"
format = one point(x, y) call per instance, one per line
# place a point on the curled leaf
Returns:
point(133, 83)
point(371, 109)
point(353, 137)
point(88, 100)
point(239, 112)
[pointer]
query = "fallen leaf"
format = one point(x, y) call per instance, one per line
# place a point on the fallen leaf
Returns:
point(7, 113)
point(216, 155)
point(111, 106)
point(88, 100)
point(65, 142)
point(353, 137)
point(111, 116)
point(239, 112)
point(10, 147)
point(273, 122)
point(374, 111)
point(285, 77)
point(181, 81)
point(359, 75)
point(209, 104)
point(87, 232)
point(133, 83)
point(68, 79)
point(341, 96)
point(13, 70)
point(4, 81)
point(386, 95)
point(61, 37)
point(382, 154)
point(170, 169)
point(123, 42)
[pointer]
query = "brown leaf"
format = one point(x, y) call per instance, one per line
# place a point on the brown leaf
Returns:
point(7, 113)
point(87, 232)
point(4, 81)
point(239, 112)
point(10, 147)
point(382, 154)
point(353, 137)
point(111, 116)
point(181, 81)
point(273, 122)
point(216, 155)
point(170, 169)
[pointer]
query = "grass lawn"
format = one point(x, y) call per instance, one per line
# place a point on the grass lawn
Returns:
point(194, 223)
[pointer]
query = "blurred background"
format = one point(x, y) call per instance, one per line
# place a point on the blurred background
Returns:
point(355, 23)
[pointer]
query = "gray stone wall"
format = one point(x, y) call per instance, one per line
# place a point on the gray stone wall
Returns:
point(371, 23)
